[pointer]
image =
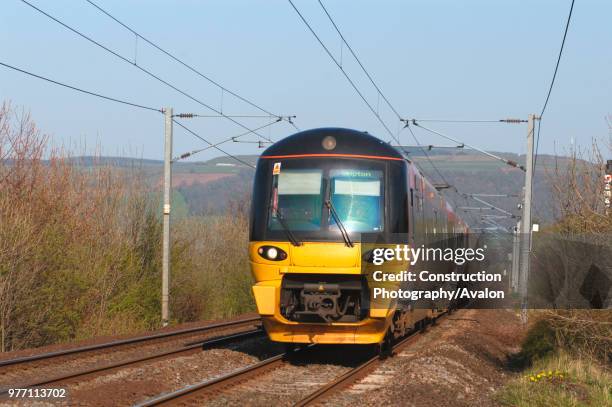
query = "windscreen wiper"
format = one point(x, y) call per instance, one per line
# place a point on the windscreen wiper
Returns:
point(288, 231)
point(343, 232)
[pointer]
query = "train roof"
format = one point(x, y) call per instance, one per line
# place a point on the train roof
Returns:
point(348, 141)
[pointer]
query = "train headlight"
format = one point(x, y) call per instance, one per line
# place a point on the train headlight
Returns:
point(329, 143)
point(272, 253)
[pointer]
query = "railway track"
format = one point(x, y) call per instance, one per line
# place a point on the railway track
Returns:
point(218, 383)
point(352, 375)
point(365, 368)
point(184, 348)
point(195, 392)
point(127, 342)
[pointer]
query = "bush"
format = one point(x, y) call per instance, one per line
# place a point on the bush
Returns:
point(80, 248)
point(583, 333)
point(539, 342)
point(214, 256)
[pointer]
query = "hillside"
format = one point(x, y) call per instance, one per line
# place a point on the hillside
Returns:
point(208, 187)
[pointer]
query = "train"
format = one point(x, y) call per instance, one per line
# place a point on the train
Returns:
point(320, 197)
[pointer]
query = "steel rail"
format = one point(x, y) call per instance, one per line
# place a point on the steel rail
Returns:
point(216, 382)
point(185, 348)
point(129, 341)
point(222, 381)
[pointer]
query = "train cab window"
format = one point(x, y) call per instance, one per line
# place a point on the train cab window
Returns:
point(297, 198)
point(357, 197)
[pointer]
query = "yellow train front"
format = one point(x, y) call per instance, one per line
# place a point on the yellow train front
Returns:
point(316, 193)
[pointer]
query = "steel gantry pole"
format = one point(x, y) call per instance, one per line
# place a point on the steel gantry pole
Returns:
point(526, 226)
point(166, 214)
point(516, 250)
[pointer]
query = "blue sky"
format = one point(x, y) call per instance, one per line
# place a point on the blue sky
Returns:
point(433, 59)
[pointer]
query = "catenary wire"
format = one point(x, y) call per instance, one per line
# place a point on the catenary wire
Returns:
point(341, 70)
point(211, 144)
point(435, 167)
point(243, 116)
point(383, 95)
point(191, 153)
point(427, 156)
point(88, 92)
point(151, 74)
point(552, 82)
point(509, 162)
point(175, 58)
point(358, 60)
point(369, 76)
point(339, 65)
point(460, 121)
point(395, 137)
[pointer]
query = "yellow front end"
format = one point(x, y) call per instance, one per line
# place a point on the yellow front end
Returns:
point(313, 258)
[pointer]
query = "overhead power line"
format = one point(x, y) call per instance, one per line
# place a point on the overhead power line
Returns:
point(260, 144)
point(146, 71)
point(427, 156)
point(497, 208)
point(234, 138)
point(504, 160)
point(348, 78)
point(380, 93)
point(193, 133)
point(471, 121)
point(552, 82)
point(245, 116)
point(358, 60)
point(370, 78)
point(494, 195)
point(88, 92)
point(180, 61)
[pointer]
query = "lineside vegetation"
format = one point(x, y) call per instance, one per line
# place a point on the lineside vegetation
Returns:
point(566, 357)
point(80, 248)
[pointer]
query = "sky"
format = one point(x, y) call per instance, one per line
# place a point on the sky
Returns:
point(433, 59)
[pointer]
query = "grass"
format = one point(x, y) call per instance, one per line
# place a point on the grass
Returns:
point(560, 380)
